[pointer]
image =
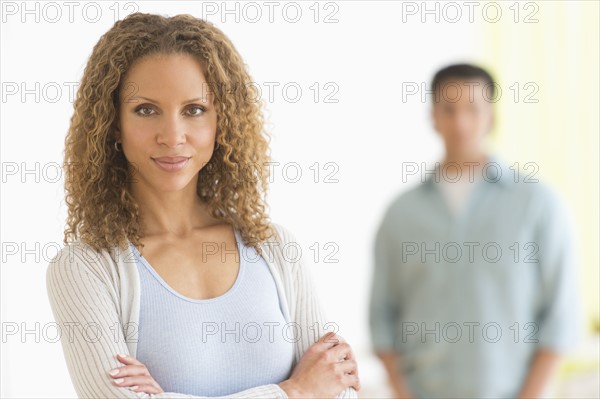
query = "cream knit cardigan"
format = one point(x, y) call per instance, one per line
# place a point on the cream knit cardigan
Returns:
point(95, 299)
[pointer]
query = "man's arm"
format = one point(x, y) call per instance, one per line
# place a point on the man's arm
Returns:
point(560, 317)
point(383, 315)
point(541, 371)
point(396, 380)
point(383, 309)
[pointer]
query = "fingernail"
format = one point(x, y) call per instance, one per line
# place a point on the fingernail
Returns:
point(133, 387)
point(118, 380)
point(114, 372)
point(122, 355)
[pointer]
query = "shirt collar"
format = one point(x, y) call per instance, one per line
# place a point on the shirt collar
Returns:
point(496, 171)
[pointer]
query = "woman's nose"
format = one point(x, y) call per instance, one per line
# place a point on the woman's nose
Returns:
point(172, 131)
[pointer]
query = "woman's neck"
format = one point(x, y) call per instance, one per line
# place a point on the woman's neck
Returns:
point(176, 213)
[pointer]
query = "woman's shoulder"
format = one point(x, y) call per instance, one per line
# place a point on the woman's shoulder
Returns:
point(284, 235)
point(287, 242)
point(80, 258)
point(287, 250)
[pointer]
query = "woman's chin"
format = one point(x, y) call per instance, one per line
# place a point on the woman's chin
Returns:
point(173, 184)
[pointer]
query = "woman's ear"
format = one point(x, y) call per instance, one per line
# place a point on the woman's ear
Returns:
point(117, 129)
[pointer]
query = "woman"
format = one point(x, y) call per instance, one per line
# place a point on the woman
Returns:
point(173, 278)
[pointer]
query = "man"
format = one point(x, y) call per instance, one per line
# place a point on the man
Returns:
point(474, 290)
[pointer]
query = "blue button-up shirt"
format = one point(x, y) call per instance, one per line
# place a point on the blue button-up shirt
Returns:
point(467, 299)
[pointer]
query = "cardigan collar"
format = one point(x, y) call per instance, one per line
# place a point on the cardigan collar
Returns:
point(129, 284)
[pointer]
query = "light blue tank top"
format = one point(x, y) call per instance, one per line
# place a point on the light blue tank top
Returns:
point(216, 346)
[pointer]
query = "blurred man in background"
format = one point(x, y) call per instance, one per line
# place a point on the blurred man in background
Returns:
point(474, 287)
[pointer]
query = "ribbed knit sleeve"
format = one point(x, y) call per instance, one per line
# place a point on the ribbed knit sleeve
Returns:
point(310, 314)
point(86, 307)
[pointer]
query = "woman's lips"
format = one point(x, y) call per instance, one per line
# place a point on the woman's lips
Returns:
point(171, 164)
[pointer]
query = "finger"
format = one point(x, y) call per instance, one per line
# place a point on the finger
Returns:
point(338, 339)
point(343, 351)
point(349, 367)
point(147, 389)
point(139, 380)
point(350, 354)
point(129, 371)
point(330, 339)
point(127, 359)
point(352, 380)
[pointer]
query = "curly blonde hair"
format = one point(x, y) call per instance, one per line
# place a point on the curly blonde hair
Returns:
point(101, 211)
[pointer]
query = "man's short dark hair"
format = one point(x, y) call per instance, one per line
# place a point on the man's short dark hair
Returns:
point(464, 72)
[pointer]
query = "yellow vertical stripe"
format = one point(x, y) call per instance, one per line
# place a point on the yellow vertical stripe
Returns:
point(559, 55)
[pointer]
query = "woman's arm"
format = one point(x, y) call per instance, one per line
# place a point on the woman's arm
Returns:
point(85, 307)
point(310, 315)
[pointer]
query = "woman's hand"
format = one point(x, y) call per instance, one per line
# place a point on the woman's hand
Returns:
point(324, 371)
point(134, 376)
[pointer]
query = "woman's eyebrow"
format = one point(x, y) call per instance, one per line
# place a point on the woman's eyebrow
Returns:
point(200, 99)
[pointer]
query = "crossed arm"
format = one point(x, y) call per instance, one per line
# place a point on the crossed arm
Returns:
point(86, 309)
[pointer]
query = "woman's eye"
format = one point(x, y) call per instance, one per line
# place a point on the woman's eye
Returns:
point(196, 111)
point(148, 111)
point(144, 111)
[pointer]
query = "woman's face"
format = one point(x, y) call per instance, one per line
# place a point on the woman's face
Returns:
point(167, 122)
